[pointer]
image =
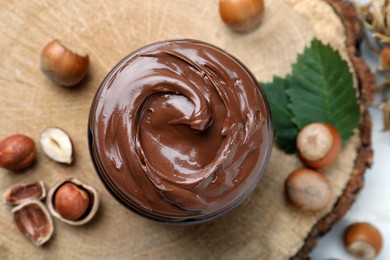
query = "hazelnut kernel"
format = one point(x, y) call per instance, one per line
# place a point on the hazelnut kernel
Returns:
point(71, 201)
point(17, 152)
point(57, 145)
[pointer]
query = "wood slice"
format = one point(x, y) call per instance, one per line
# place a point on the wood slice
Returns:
point(265, 226)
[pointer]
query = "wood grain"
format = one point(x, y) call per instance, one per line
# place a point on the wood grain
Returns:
point(263, 227)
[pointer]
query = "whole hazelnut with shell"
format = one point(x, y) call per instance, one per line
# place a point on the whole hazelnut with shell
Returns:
point(308, 190)
point(241, 15)
point(64, 64)
point(363, 240)
point(319, 145)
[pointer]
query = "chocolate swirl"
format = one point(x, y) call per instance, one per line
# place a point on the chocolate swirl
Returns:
point(180, 130)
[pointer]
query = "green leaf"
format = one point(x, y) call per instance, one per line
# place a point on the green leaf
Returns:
point(321, 90)
point(284, 128)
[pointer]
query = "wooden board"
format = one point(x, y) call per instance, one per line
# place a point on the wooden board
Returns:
point(264, 226)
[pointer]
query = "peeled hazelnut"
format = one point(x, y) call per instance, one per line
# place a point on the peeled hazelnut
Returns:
point(62, 64)
point(308, 190)
point(20, 193)
point(363, 240)
point(17, 152)
point(385, 59)
point(319, 145)
point(72, 201)
point(57, 145)
point(34, 221)
point(241, 15)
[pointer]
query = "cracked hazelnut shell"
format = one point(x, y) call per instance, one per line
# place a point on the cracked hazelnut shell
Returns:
point(17, 152)
point(20, 193)
point(72, 201)
point(34, 221)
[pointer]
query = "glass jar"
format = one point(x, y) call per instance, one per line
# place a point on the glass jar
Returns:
point(180, 131)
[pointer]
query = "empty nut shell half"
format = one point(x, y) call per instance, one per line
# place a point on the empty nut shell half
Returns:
point(20, 193)
point(67, 197)
point(34, 221)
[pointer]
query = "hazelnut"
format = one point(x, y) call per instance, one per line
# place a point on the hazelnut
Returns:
point(20, 193)
point(34, 221)
point(57, 145)
point(72, 201)
point(17, 152)
point(363, 240)
point(308, 190)
point(241, 15)
point(62, 64)
point(385, 59)
point(319, 145)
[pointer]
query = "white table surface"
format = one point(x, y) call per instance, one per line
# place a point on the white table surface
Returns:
point(373, 202)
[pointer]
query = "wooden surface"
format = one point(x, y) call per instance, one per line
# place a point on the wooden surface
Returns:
point(263, 227)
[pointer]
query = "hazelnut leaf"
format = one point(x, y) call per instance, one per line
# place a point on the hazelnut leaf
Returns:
point(285, 129)
point(322, 90)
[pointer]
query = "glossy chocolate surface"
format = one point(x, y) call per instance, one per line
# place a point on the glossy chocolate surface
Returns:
point(180, 131)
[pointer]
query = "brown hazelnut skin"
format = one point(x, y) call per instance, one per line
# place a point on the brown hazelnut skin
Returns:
point(330, 156)
point(241, 15)
point(63, 65)
point(71, 201)
point(363, 240)
point(307, 190)
point(17, 152)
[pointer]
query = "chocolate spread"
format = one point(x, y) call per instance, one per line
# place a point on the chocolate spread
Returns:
point(180, 131)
